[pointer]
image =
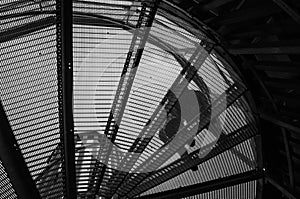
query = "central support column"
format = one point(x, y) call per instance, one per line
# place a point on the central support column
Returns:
point(65, 87)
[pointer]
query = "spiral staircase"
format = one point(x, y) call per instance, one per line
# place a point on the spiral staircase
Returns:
point(150, 99)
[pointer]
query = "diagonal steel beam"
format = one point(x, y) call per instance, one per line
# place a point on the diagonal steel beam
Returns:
point(280, 187)
point(120, 100)
point(278, 121)
point(19, 31)
point(289, 10)
point(244, 15)
point(215, 4)
point(139, 40)
point(250, 163)
point(14, 162)
point(205, 187)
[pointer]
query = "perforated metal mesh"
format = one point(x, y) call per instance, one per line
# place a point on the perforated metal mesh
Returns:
point(6, 189)
point(239, 126)
point(122, 74)
point(17, 13)
point(104, 36)
point(212, 169)
point(244, 190)
point(29, 91)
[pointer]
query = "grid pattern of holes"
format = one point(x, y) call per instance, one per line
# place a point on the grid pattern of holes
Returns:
point(240, 133)
point(89, 54)
point(17, 13)
point(29, 85)
point(6, 189)
point(245, 191)
point(210, 170)
point(83, 42)
point(29, 91)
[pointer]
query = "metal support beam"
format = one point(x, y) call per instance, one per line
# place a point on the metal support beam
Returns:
point(263, 30)
point(250, 163)
point(201, 188)
point(278, 66)
point(278, 121)
point(283, 190)
point(279, 83)
point(260, 164)
point(27, 28)
point(140, 37)
point(282, 129)
point(122, 93)
point(245, 15)
point(282, 47)
point(289, 10)
point(65, 85)
point(14, 162)
point(215, 4)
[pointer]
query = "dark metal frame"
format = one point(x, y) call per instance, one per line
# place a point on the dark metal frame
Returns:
point(282, 189)
point(282, 127)
point(65, 87)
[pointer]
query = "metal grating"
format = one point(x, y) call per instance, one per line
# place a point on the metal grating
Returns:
point(17, 13)
point(212, 169)
point(245, 191)
point(6, 188)
point(103, 35)
point(123, 72)
point(229, 138)
point(29, 90)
